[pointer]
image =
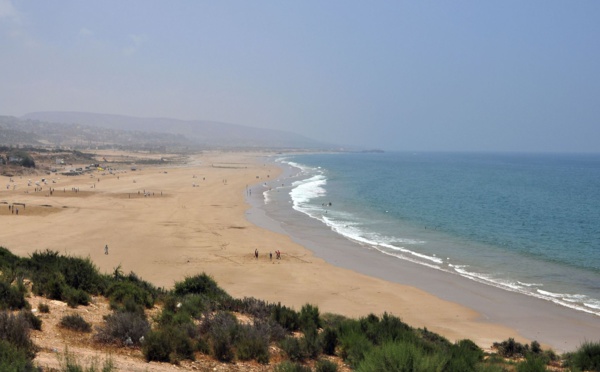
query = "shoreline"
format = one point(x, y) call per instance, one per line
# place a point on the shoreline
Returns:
point(556, 326)
point(197, 219)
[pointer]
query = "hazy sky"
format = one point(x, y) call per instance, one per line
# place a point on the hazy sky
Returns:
point(398, 75)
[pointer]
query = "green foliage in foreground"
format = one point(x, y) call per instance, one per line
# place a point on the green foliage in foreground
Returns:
point(197, 316)
point(14, 359)
point(586, 358)
point(75, 322)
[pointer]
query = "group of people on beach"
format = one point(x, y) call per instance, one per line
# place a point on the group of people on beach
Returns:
point(13, 209)
point(277, 254)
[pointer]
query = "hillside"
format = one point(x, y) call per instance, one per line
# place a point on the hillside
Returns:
point(63, 312)
point(201, 133)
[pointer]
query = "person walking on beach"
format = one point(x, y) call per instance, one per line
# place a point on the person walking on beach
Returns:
point(106, 249)
point(256, 254)
point(271, 256)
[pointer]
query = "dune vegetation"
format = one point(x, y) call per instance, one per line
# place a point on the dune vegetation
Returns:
point(198, 318)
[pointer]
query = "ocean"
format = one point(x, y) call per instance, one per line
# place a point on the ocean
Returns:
point(528, 223)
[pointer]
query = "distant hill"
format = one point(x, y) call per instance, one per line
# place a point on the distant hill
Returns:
point(202, 133)
point(29, 132)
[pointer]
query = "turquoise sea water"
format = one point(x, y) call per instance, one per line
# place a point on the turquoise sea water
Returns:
point(522, 222)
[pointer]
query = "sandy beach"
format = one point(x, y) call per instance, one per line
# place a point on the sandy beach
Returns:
point(167, 222)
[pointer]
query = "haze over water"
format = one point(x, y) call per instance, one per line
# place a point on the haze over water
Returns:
point(525, 223)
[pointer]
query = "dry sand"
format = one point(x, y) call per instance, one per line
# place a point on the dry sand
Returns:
point(193, 220)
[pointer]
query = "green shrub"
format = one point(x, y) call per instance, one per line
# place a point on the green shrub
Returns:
point(388, 328)
point(464, 357)
point(536, 347)
point(329, 340)
point(15, 330)
point(401, 356)
point(311, 343)
point(286, 317)
point(287, 366)
point(271, 329)
point(121, 327)
point(81, 274)
point(532, 363)
point(259, 309)
point(252, 343)
point(200, 284)
point(168, 344)
point(587, 357)
point(8, 259)
point(293, 349)
point(122, 292)
point(75, 297)
point(13, 359)
point(194, 305)
point(324, 365)
point(354, 346)
point(309, 317)
point(74, 272)
point(43, 308)
point(511, 348)
point(222, 347)
point(49, 284)
point(33, 321)
point(75, 322)
point(179, 318)
point(11, 297)
point(222, 329)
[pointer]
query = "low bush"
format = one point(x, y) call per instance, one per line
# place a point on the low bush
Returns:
point(12, 297)
point(43, 308)
point(221, 328)
point(252, 343)
point(465, 356)
point(121, 292)
point(168, 344)
point(332, 320)
point(33, 321)
point(121, 327)
point(324, 365)
point(329, 340)
point(75, 322)
point(388, 328)
point(272, 329)
point(201, 284)
point(291, 367)
point(293, 349)
point(259, 309)
point(8, 259)
point(511, 348)
point(14, 329)
point(222, 347)
point(309, 317)
point(354, 346)
point(49, 284)
point(311, 343)
point(532, 363)
point(401, 356)
point(75, 297)
point(78, 273)
point(194, 305)
point(586, 357)
point(14, 359)
point(286, 317)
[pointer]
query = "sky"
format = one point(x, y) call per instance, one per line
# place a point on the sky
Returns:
point(509, 75)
